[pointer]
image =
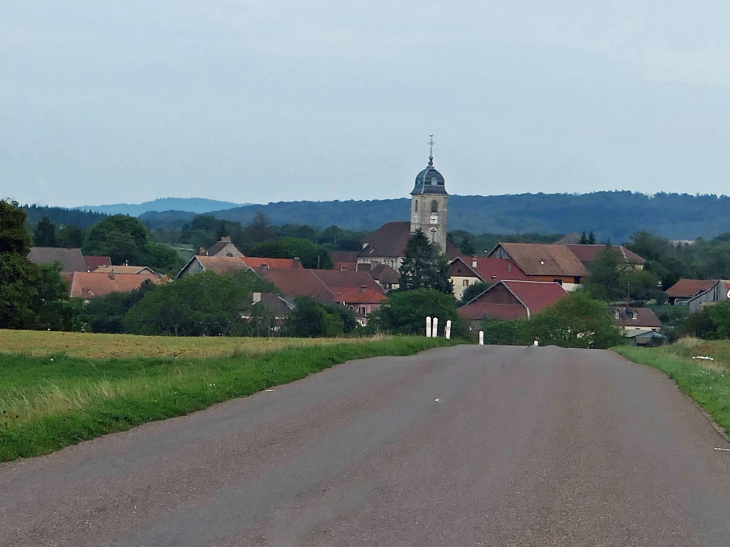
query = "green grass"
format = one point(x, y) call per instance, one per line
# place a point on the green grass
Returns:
point(706, 382)
point(48, 402)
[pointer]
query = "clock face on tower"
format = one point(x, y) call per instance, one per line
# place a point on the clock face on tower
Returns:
point(434, 219)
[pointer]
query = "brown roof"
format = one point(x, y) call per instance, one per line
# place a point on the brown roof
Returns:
point(687, 288)
point(93, 262)
point(344, 260)
point(218, 246)
point(125, 270)
point(94, 284)
point(391, 239)
point(71, 259)
point(221, 264)
point(644, 317)
point(541, 259)
point(588, 253)
point(527, 298)
point(256, 262)
point(326, 285)
point(384, 274)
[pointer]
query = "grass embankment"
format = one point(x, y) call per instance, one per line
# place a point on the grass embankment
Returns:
point(49, 401)
point(707, 382)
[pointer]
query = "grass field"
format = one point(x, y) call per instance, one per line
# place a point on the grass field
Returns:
point(707, 382)
point(100, 346)
point(49, 399)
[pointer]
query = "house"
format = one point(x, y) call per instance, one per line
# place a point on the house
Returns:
point(355, 290)
point(71, 260)
point(512, 299)
point(385, 276)
point(89, 285)
point(632, 319)
point(277, 310)
point(718, 292)
point(222, 248)
point(541, 262)
point(126, 269)
point(221, 265)
point(685, 289)
point(588, 254)
point(344, 260)
point(464, 271)
point(94, 262)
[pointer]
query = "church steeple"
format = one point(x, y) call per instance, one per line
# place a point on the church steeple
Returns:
point(429, 203)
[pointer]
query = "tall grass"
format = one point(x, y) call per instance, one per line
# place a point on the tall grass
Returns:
point(50, 402)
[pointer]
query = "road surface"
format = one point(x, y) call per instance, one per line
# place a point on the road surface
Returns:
point(458, 446)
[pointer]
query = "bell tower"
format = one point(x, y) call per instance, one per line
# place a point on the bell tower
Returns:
point(429, 202)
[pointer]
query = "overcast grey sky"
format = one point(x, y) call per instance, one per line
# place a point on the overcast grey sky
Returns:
point(252, 101)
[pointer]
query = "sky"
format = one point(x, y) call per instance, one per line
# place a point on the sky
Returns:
point(258, 101)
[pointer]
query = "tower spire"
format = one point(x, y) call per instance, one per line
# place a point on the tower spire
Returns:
point(430, 155)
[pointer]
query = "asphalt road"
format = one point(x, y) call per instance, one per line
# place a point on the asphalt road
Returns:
point(461, 446)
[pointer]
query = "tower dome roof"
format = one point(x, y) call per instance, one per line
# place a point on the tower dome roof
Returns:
point(429, 181)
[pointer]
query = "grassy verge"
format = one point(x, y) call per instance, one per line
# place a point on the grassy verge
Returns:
point(707, 382)
point(48, 402)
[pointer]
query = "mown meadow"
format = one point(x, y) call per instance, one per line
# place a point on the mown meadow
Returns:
point(58, 389)
point(706, 381)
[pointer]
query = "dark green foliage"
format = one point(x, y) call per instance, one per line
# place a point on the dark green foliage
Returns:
point(710, 323)
point(424, 267)
point(474, 290)
point(106, 313)
point(205, 304)
point(63, 217)
point(310, 254)
point(591, 239)
point(14, 238)
point(612, 279)
point(406, 312)
point(53, 309)
point(467, 247)
point(70, 237)
point(44, 234)
point(18, 279)
point(485, 242)
point(310, 319)
point(575, 321)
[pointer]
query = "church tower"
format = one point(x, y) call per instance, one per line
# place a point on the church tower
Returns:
point(428, 204)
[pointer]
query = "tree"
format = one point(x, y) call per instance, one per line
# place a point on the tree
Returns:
point(310, 254)
point(424, 266)
point(406, 312)
point(260, 229)
point(467, 247)
point(583, 239)
point(119, 237)
point(14, 238)
point(106, 313)
point(70, 237)
point(310, 319)
point(18, 278)
point(472, 291)
point(614, 278)
point(591, 238)
point(44, 234)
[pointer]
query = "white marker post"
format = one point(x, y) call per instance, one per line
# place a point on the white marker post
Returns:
point(448, 330)
point(481, 337)
point(428, 327)
point(435, 328)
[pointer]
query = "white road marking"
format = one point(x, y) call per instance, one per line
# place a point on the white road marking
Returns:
point(723, 449)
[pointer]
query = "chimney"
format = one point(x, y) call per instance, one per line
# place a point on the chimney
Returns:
point(256, 297)
point(226, 239)
point(111, 274)
point(634, 315)
point(363, 288)
point(474, 262)
point(201, 252)
point(264, 269)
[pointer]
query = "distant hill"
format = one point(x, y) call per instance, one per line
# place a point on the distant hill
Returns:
point(612, 215)
point(62, 216)
point(191, 205)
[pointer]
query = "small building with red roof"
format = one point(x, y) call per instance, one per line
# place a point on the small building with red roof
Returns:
point(94, 262)
point(512, 299)
point(686, 289)
point(89, 285)
point(465, 271)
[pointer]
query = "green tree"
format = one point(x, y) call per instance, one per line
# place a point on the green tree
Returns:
point(44, 234)
point(18, 279)
point(467, 246)
point(119, 237)
point(424, 267)
point(591, 238)
point(472, 291)
point(310, 254)
point(14, 238)
point(310, 319)
point(260, 229)
point(583, 239)
point(106, 313)
point(406, 312)
point(70, 237)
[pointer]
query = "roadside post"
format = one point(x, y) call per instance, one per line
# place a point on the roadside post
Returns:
point(435, 332)
point(428, 327)
point(481, 337)
point(448, 330)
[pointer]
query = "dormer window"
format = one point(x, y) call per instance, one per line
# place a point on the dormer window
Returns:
point(434, 181)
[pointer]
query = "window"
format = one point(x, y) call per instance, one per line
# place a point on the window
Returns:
point(465, 283)
point(415, 206)
point(434, 206)
point(434, 181)
point(559, 281)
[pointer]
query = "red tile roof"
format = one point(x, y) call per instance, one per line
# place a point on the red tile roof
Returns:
point(298, 282)
point(93, 284)
point(588, 253)
point(384, 274)
point(327, 285)
point(256, 262)
point(71, 260)
point(93, 262)
point(526, 299)
point(491, 270)
point(687, 288)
